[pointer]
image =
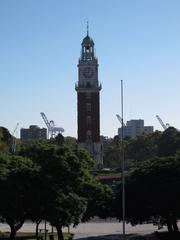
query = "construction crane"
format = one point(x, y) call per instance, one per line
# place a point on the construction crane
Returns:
point(52, 129)
point(13, 147)
point(120, 120)
point(165, 126)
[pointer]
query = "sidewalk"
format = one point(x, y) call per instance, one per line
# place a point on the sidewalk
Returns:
point(119, 237)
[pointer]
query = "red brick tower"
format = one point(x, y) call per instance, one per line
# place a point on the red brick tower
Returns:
point(88, 89)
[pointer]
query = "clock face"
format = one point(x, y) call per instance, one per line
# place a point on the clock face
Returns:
point(88, 72)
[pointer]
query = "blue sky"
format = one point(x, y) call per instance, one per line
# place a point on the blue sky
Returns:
point(137, 41)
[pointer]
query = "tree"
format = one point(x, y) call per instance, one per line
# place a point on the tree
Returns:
point(58, 140)
point(99, 200)
point(136, 150)
point(142, 148)
point(154, 190)
point(169, 142)
point(112, 150)
point(64, 209)
point(70, 142)
point(38, 195)
point(61, 175)
point(68, 187)
point(5, 140)
point(15, 178)
point(66, 173)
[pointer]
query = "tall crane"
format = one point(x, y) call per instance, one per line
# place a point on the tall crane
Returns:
point(13, 147)
point(52, 129)
point(165, 126)
point(120, 120)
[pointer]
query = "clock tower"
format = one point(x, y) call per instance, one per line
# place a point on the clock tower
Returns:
point(88, 91)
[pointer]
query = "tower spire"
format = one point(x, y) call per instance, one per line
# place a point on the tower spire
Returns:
point(87, 28)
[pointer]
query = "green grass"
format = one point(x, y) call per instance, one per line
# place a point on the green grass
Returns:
point(31, 236)
point(66, 236)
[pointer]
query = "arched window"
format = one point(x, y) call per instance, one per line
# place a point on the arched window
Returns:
point(88, 120)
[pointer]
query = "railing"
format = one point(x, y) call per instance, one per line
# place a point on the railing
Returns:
point(87, 86)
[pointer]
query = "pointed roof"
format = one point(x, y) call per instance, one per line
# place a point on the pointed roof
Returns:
point(87, 40)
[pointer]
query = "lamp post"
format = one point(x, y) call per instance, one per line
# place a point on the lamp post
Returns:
point(121, 120)
point(122, 151)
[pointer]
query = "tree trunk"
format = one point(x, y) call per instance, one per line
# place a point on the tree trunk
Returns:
point(174, 224)
point(19, 225)
point(14, 228)
point(169, 227)
point(13, 232)
point(59, 232)
point(37, 229)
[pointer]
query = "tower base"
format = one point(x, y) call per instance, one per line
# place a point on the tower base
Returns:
point(96, 152)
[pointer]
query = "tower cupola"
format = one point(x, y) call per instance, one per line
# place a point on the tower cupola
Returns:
point(87, 51)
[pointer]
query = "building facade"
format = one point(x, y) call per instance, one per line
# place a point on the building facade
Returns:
point(88, 102)
point(33, 133)
point(134, 128)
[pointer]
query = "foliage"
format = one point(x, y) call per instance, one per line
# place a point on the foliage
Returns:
point(15, 178)
point(99, 198)
point(141, 148)
point(52, 181)
point(5, 140)
point(153, 190)
point(144, 147)
point(70, 142)
point(58, 140)
point(169, 142)
point(68, 188)
point(111, 152)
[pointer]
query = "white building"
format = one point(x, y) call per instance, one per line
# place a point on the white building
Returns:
point(134, 128)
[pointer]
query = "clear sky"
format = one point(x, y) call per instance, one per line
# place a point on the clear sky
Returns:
point(135, 40)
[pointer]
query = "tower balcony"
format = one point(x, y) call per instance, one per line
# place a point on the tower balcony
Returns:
point(88, 87)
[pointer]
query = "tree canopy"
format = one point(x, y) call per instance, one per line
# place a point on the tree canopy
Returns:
point(153, 190)
point(15, 175)
point(53, 181)
point(5, 140)
point(144, 147)
point(47, 180)
point(70, 191)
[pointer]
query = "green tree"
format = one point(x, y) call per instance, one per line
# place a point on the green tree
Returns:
point(61, 174)
point(169, 142)
point(99, 200)
point(38, 195)
point(142, 148)
point(5, 140)
point(64, 209)
point(112, 150)
point(136, 150)
point(70, 142)
point(15, 178)
point(65, 173)
point(58, 140)
point(68, 187)
point(153, 190)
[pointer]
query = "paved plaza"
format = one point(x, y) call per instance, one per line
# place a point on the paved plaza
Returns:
point(91, 230)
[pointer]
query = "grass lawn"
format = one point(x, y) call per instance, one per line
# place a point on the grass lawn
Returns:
point(28, 236)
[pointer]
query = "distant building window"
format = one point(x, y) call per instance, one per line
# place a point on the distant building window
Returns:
point(88, 95)
point(88, 120)
point(88, 107)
